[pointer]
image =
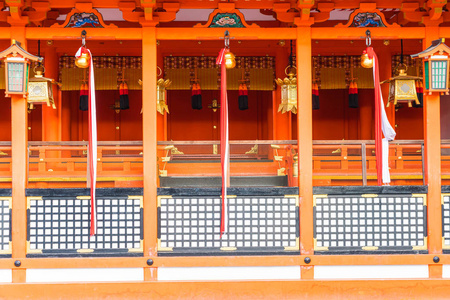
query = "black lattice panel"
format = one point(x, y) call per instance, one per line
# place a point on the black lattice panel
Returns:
point(446, 221)
point(255, 224)
point(61, 225)
point(370, 223)
point(5, 225)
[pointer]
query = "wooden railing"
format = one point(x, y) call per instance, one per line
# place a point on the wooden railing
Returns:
point(67, 161)
point(334, 162)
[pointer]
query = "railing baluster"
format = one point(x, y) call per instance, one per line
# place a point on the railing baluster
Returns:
point(364, 163)
point(423, 164)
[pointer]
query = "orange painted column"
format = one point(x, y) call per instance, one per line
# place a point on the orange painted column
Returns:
point(432, 139)
point(385, 61)
point(281, 122)
point(304, 130)
point(162, 119)
point(149, 128)
point(51, 123)
point(19, 155)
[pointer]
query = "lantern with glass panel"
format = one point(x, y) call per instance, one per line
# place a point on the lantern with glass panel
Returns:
point(17, 66)
point(435, 66)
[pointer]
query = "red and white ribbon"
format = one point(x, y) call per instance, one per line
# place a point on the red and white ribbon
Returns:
point(92, 163)
point(224, 145)
point(382, 125)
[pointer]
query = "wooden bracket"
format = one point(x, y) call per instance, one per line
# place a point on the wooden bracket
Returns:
point(283, 14)
point(39, 13)
point(15, 17)
point(435, 8)
point(324, 9)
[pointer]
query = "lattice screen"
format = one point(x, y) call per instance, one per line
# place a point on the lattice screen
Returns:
point(446, 221)
point(255, 224)
point(370, 223)
point(5, 225)
point(61, 225)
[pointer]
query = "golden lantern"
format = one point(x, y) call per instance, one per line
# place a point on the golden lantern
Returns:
point(288, 91)
point(41, 88)
point(17, 65)
point(366, 62)
point(83, 61)
point(161, 86)
point(402, 88)
point(230, 60)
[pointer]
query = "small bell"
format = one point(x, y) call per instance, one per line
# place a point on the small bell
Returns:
point(83, 61)
point(230, 60)
point(366, 62)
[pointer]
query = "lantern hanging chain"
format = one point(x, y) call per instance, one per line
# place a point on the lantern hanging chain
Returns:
point(401, 51)
point(227, 39)
point(291, 57)
point(368, 38)
point(83, 38)
point(39, 51)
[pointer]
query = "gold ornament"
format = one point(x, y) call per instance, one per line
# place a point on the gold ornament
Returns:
point(366, 62)
point(83, 61)
point(230, 60)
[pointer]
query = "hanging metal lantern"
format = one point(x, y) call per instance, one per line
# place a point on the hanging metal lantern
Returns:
point(288, 91)
point(402, 88)
point(41, 88)
point(230, 60)
point(435, 66)
point(17, 65)
point(161, 86)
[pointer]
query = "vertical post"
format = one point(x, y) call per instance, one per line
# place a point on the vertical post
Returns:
point(51, 124)
point(364, 163)
point(19, 155)
point(149, 122)
point(281, 124)
point(161, 119)
point(304, 131)
point(385, 63)
point(432, 141)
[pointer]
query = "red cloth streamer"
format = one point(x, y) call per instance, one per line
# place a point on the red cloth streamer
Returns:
point(92, 139)
point(382, 125)
point(224, 146)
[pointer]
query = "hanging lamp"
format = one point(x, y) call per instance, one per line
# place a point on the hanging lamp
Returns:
point(288, 88)
point(402, 88)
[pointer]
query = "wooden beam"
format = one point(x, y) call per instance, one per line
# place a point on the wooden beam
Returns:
point(39, 33)
point(217, 33)
point(223, 261)
point(293, 289)
point(326, 33)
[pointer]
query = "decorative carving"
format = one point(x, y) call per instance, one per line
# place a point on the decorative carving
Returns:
point(84, 16)
point(226, 16)
point(367, 19)
point(367, 16)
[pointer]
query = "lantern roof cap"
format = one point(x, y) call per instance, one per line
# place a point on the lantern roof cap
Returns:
point(15, 49)
point(436, 45)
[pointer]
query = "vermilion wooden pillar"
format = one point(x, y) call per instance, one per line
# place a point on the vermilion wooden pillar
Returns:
point(19, 155)
point(51, 121)
point(304, 131)
point(281, 122)
point(432, 139)
point(161, 119)
point(149, 122)
point(385, 61)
